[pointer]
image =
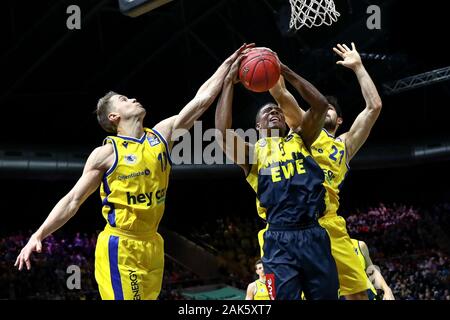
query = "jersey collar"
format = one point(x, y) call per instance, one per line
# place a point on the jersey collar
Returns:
point(142, 139)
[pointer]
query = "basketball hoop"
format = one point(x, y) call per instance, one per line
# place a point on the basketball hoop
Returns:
point(312, 13)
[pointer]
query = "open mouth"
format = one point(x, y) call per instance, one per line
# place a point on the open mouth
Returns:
point(274, 119)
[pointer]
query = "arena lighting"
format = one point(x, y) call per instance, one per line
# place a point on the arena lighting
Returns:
point(135, 8)
point(365, 56)
point(417, 81)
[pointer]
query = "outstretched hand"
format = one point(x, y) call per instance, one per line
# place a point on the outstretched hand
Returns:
point(239, 51)
point(23, 258)
point(351, 57)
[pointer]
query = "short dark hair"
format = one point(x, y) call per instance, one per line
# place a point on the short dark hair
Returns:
point(102, 111)
point(258, 262)
point(263, 106)
point(334, 102)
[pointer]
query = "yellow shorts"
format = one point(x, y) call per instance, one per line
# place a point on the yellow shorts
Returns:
point(352, 276)
point(261, 239)
point(127, 266)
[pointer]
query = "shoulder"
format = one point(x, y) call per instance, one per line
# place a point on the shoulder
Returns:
point(101, 157)
point(362, 245)
point(165, 126)
point(342, 137)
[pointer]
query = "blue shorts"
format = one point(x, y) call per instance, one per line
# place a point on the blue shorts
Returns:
point(299, 259)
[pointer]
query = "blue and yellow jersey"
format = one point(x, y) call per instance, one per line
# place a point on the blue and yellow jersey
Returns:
point(331, 155)
point(287, 181)
point(133, 190)
point(363, 262)
point(261, 292)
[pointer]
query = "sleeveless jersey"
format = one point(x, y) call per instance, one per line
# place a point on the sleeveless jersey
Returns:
point(261, 291)
point(331, 155)
point(287, 181)
point(134, 188)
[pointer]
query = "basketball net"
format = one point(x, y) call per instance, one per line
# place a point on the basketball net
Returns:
point(312, 13)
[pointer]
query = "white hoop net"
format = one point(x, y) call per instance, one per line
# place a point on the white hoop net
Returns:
point(312, 13)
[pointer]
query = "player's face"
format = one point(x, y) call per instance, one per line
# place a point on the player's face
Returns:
point(271, 117)
point(126, 107)
point(259, 269)
point(331, 119)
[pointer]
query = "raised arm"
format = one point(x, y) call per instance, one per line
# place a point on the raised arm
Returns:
point(97, 164)
point(203, 99)
point(231, 143)
point(375, 274)
point(292, 111)
point(314, 118)
point(360, 130)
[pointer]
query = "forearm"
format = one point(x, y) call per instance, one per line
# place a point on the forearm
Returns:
point(292, 111)
point(381, 282)
point(368, 88)
point(308, 92)
point(61, 213)
point(211, 88)
point(224, 110)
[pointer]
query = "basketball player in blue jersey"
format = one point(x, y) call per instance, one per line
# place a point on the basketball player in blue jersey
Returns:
point(333, 155)
point(132, 170)
point(296, 252)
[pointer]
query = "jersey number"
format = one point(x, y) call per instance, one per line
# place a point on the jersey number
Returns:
point(281, 146)
point(335, 152)
point(163, 160)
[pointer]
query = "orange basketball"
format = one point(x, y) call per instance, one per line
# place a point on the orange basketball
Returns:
point(259, 70)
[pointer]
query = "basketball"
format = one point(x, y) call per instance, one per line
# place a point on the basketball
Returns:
point(259, 70)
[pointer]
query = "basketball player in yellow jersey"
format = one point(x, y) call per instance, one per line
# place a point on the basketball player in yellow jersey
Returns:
point(333, 155)
point(373, 273)
point(257, 290)
point(132, 170)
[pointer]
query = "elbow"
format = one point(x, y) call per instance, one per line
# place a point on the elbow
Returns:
point(220, 136)
point(376, 104)
point(74, 204)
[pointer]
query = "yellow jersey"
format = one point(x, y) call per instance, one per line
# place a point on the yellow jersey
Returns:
point(133, 190)
point(331, 155)
point(287, 181)
point(363, 262)
point(261, 292)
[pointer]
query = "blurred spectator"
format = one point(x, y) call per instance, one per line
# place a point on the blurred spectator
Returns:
point(408, 243)
point(47, 278)
point(411, 246)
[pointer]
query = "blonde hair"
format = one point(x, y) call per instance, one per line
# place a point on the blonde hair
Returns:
point(103, 110)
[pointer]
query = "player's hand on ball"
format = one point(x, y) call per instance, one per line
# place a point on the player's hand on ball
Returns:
point(233, 74)
point(351, 57)
point(244, 48)
point(268, 49)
